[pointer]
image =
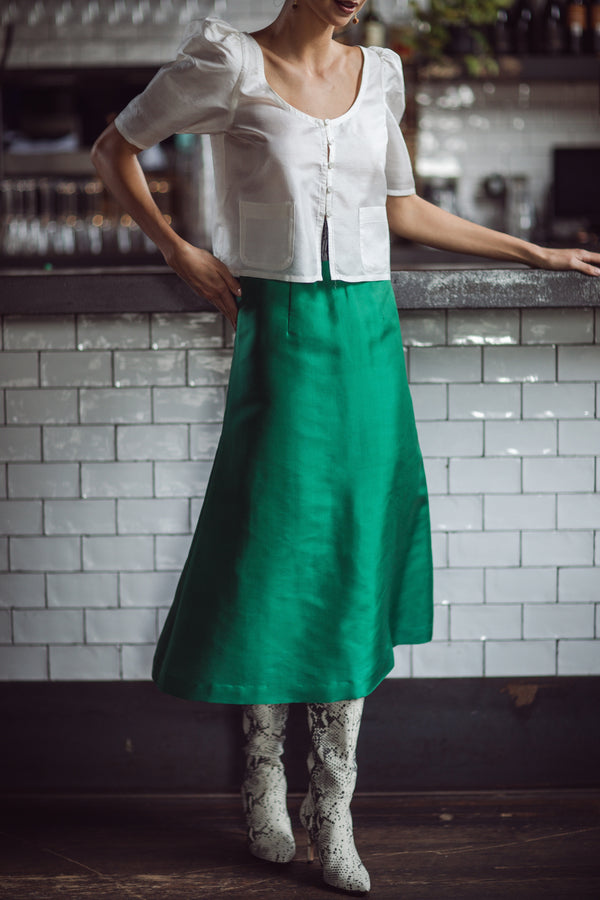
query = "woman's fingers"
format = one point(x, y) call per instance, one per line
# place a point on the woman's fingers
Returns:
point(588, 269)
point(215, 288)
point(231, 282)
point(207, 276)
point(224, 301)
point(580, 260)
point(589, 262)
point(229, 289)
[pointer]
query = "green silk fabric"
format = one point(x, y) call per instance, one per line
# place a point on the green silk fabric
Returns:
point(312, 554)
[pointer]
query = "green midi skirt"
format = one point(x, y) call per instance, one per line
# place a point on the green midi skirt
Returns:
point(312, 558)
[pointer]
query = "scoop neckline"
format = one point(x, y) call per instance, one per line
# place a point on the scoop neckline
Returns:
point(300, 112)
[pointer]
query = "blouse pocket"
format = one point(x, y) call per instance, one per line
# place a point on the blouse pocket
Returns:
point(267, 235)
point(374, 238)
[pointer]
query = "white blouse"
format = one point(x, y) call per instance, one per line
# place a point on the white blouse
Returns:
point(279, 172)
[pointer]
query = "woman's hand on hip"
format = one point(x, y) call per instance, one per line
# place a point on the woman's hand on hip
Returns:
point(207, 276)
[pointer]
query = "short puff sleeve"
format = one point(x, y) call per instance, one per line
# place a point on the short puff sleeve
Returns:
point(196, 93)
point(398, 168)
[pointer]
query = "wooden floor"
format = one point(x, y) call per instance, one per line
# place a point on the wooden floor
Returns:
point(467, 846)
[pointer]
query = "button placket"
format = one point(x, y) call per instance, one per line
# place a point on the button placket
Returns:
point(330, 167)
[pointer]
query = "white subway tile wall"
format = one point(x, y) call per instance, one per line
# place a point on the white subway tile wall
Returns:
point(508, 128)
point(102, 485)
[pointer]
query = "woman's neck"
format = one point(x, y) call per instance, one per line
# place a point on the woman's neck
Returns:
point(300, 35)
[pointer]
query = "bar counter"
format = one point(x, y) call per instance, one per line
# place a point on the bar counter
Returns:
point(421, 285)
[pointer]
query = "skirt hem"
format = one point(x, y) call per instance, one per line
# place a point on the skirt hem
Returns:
point(258, 694)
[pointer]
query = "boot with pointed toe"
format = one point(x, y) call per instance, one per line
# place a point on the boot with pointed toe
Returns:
point(325, 811)
point(264, 789)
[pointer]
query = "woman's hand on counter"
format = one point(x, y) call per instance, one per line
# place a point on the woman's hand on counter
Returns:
point(580, 260)
point(206, 275)
point(418, 220)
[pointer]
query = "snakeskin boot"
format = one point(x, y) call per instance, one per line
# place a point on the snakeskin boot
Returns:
point(264, 788)
point(325, 811)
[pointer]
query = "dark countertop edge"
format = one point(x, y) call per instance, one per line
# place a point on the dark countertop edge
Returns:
point(158, 290)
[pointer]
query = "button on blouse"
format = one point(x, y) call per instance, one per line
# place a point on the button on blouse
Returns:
point(279, 172)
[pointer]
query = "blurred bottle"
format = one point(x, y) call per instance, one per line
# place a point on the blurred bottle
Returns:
point(524, 28)
point(401, 29)
point(594, 27)
point(576, 23)
point(374, 30)
point(442, 191)
point(503, 44)
point(520, 211)
point(554, 28)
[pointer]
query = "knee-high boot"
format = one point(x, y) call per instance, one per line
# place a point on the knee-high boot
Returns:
point(325, 811)
point(264, 788)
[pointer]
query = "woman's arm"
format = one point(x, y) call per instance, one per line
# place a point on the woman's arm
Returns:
point(418, 220)
point(117, 165)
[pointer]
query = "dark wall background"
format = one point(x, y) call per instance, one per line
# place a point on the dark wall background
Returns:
point(418, 734)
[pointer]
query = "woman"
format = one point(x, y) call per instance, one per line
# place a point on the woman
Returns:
point(312, 555)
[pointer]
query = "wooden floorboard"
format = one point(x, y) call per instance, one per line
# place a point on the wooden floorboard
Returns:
point(455, 846)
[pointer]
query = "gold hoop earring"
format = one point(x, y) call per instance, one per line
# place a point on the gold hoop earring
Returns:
point(295, 4)
point(355, 20)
